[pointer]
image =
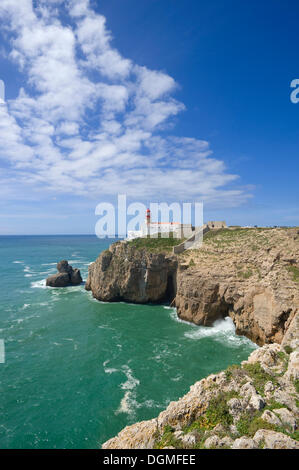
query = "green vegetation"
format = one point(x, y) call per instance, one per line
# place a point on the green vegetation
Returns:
point(274, 405)
point(288, 349)
point(234, 370)
point(245, 274)
point(156, 244)
point(217, 412)
point(167, 439)
point(295, 272)
point(191, 263)
point(259, 376)
point(249, 424)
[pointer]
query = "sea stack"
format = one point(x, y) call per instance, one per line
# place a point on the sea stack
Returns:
point(66, 276)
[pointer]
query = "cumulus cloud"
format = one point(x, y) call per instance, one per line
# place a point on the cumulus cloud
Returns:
point(89, 121)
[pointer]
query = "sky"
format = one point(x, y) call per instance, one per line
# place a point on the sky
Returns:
point(161, 100)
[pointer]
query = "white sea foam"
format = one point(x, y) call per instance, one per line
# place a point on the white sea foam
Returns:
point(25, 306)
point(125, 405)
point(175, 317)
point(222, 331)
point(128, 402)
point(110, 370)
point(131, 381)
point(39, 284)
point(18, 262)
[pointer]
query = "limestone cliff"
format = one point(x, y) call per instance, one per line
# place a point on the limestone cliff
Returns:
point(249, 274)
point(254, 405)
point(126, 273)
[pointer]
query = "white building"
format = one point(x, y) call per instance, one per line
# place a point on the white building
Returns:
point(155, 228)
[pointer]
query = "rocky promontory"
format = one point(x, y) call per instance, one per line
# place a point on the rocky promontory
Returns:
point(66, 276)
point(250, 275)
point(125, 273)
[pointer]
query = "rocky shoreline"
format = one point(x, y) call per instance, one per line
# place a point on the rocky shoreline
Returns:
point(250, 275)
point(251, 406)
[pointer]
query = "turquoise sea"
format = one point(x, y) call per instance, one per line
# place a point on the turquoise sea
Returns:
point(77, 370)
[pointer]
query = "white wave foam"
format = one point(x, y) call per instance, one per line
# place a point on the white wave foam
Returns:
point(175, 317)
point(25, 306)
point(39, 284)
point(18, 262)
point(131, 381)
point(110, 370)
point(125, 406)
point(128, 402)
point(222, 331)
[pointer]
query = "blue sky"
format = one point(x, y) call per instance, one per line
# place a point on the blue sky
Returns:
point(162, 100)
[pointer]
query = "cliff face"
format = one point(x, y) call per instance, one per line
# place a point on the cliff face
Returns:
point(134, 275)
point(249, 275)
point(249, 406)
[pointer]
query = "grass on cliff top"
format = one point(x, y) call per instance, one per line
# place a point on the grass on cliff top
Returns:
point(231, 234)
point(156, 244)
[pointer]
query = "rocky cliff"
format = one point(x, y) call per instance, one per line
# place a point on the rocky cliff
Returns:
point(249, 274)
point(254, 405)
point(127, 273)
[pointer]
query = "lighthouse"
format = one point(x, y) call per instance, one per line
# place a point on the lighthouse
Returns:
point(148, 217)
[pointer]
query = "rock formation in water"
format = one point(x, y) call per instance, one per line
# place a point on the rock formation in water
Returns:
point(251, 406)
point(66, 276)
point(249, 274)
point(126, 273)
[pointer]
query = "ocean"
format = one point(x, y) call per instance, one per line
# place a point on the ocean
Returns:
point(77, 370)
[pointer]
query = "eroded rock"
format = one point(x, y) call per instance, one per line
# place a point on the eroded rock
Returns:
point(66, 276)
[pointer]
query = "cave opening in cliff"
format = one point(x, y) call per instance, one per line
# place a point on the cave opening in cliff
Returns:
point(170, 289)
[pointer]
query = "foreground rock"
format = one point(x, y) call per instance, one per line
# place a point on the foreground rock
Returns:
point(232, 409)
point(250, 275)
point(66, 276)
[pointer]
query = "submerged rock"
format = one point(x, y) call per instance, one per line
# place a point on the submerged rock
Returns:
point(66, 276)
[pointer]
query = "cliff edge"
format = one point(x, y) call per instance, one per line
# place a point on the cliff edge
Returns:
point(251, 275)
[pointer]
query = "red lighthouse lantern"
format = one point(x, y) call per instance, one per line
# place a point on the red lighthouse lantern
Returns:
point(148, 216)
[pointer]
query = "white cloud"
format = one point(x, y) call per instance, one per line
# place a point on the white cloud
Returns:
point(67, 132)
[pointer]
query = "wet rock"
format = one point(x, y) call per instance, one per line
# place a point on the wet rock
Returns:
point(66, 276)
point(58, 280)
